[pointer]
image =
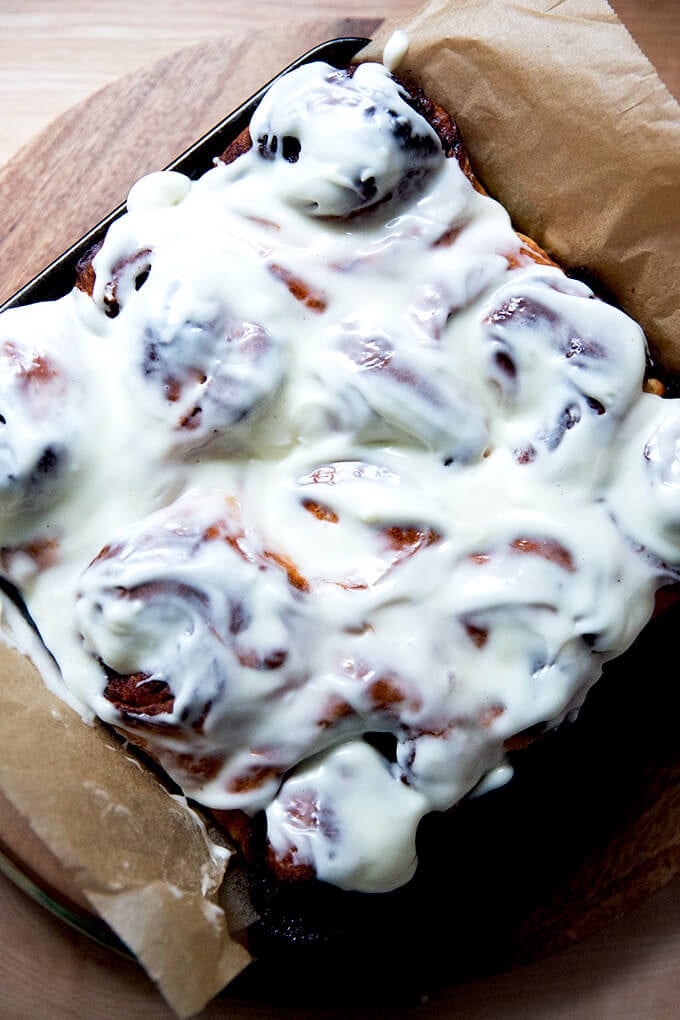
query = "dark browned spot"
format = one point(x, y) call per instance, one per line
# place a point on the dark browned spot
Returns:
point(529, 251)
point(548, 548)
point(442, 123)
point(140, 261)
point(478, 635)
point(44, 552)
point(40, 370)
point(489, 714)
point(290, 149)
point(253, 777)
point(31, 370)
point(197, 724)
point(201, 767)
point(85, 274)
point(595, 405)
point(440, 733)
point(385, 692)
point(137, 694)
point(242, 143)
point(505, 363)
point(276, 658)
point(295, 578)
point(408, 539)
point(251, 660)
point(523, 739)
point(215, 531)
point(109, 552)
point(320, 511)
point(335, 710)
point(525, 456)
point(164, 589)
point(173, 390)
point(287, 868)
point(315, 300)
point(655, 386)
point(191, 420)
point(239, 827)
point(226, 531)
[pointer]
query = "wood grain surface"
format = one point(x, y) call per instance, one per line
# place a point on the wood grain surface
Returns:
point(214, 54)
point(54, 55)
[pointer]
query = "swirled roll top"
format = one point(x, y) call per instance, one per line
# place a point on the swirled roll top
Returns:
point(340, 141)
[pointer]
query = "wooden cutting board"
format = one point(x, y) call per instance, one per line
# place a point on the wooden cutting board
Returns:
point(50, 194)
point(82, 166)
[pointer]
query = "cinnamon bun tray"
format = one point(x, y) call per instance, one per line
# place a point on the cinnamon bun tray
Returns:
point(583, 830)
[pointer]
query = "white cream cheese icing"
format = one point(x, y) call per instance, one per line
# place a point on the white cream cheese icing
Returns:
point(343, 460)
point(395, 50)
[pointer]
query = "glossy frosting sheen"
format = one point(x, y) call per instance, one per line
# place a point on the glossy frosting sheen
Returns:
point(365, 490)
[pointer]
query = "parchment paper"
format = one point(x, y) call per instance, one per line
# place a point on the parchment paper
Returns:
point(139, 855)
point(570, 127)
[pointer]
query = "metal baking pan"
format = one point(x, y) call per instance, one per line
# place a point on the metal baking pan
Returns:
point(59, 277)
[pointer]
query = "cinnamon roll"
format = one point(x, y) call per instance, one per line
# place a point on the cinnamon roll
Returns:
point(644, 496)
point(567, 367)
point(40, 403)
point(340, 142)
point(209, 370)
point(196, 630)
